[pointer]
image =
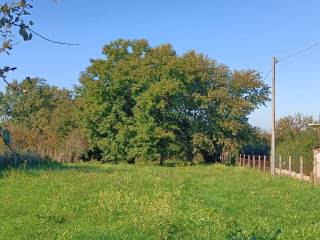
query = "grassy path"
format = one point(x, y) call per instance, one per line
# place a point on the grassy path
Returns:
point(87, 201)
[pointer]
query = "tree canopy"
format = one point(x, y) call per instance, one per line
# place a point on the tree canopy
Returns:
point(149, 103)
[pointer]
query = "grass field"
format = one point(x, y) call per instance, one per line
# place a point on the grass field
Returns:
point(91, 201)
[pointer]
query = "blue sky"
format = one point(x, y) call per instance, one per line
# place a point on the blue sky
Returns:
point(241, 34)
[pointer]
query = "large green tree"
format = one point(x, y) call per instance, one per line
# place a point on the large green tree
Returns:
point(149, 103)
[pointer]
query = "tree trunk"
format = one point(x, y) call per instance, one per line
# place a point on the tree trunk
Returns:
point(161, 161)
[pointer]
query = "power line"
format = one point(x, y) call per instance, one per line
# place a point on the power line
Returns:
point(267, 75)
point(43, 37)
point(52, 41)
point(291, 56)
point(299, 52)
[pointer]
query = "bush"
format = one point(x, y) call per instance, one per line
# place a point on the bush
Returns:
point(301, 145)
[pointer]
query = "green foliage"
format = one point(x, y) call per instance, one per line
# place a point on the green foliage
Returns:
point(296, 139)
point(258, 143)
point(12, 15)
point(144, 103)
point(42, 119)
point(91, 201)
point(290, 126)
point(301, 145)
point(6, 136)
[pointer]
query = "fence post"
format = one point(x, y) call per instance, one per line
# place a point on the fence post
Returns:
point(264, 162)
point(259, 162)
point(244, 160)
point(248, 160)
point(280, 166)
point(254, 162)
point(301, 167)
point(239, 162)
point(290, 166)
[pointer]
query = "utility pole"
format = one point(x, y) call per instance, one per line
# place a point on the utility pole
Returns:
point(273, 127)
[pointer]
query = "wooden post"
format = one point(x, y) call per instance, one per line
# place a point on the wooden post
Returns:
point(254, 162)
point(259, 162)
point(239, 161)
point(244, 160)
point(280, 166)
point(264, 163)
point(301, 167)
point(248, 160)
point(290, 166)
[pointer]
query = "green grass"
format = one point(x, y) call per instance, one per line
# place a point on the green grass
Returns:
point(91, 201)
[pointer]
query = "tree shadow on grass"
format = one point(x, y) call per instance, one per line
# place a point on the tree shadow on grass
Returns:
point(236, 233)
point(87, 168)
point(35, 162)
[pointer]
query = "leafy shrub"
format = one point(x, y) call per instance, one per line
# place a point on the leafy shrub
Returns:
point(302, 145)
